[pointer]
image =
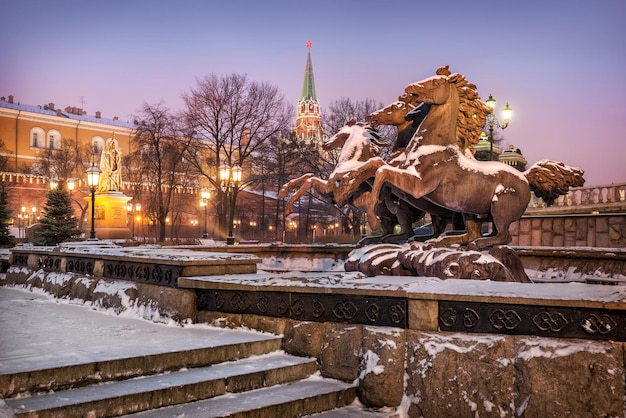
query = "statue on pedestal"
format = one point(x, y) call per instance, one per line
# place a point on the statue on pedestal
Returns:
point(111, 168)
point(110, 202)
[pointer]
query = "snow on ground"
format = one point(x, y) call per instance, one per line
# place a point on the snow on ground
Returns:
point(40, 331)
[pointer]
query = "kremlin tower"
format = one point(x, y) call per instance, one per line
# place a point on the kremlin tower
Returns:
point(308, 116)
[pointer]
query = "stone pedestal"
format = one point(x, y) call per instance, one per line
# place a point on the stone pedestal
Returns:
point(111, 215)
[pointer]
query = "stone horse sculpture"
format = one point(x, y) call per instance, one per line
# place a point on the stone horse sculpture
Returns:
point(435, 167)
point(359, 142)
point(406, 115)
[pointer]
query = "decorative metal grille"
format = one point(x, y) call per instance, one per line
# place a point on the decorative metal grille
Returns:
point(49, 263)
point(79, 265)
point(560, 322)
point(308, 307)
point(163, 275)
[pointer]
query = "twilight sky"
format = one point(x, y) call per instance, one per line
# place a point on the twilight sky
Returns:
point(559, 64)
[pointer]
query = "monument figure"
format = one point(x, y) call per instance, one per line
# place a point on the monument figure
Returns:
point(110, 167)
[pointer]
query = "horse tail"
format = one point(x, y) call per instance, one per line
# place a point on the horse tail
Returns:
point(549, 179)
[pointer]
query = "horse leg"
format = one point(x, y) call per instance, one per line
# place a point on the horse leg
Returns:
point(401, 179)
point(405, 215)
point(347, 183)
point(292, 184)
point(311, 182)
point(502, 219)
point(472, 233)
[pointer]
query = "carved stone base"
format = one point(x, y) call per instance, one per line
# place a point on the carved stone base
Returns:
point(110, 215)
point(501, 263)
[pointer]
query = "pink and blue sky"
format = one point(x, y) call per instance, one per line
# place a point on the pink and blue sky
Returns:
point(559, 64)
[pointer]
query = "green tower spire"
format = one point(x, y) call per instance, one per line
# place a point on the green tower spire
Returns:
point(308, 86)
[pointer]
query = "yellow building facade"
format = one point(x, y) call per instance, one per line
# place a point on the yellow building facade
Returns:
point(27, 131)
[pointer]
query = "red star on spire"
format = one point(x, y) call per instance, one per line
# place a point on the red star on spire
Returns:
point(309, 44)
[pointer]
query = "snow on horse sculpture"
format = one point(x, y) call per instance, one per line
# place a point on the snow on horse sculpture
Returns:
point(359, 142)
point(406, 115)
point(435, 167)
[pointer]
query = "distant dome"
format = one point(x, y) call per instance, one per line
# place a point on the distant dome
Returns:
point(484, 145)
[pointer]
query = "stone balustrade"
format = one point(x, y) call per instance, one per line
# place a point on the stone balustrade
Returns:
point(601, 198)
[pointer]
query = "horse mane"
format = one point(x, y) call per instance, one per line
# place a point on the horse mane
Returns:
point(550, 179)
point(374, 134)
point(473, 112)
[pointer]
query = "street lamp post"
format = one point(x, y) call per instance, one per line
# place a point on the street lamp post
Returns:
point(93, 175)
point(132, 210)
point(230, 178)
point(19, 225)
point(24, 216)
point(492, 122)
point(205, 195)
point(194, 224)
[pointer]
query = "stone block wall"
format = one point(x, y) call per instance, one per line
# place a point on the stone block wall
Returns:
point(588, 230)
point(152, 302)
point(435, 373)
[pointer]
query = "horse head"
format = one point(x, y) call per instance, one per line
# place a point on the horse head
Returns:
point(392, 114)
point(339, 139)
point(434, 90)
point(454, 102)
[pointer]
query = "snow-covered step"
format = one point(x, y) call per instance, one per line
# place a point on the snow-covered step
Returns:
point(117, 363)
point(356, 410)
point(304, 397)
point(187, 385)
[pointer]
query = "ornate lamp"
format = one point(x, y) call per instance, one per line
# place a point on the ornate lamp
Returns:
point(93, 176)
point(507, 112)
point(132, 210)
point(205, 195)
point(230, 177)
point(506, 115)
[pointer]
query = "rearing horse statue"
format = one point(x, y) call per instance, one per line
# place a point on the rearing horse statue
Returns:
point(434, 166)
point(359, 142)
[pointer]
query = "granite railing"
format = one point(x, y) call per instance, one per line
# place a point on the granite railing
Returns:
point(158, 266)
point(603, 195)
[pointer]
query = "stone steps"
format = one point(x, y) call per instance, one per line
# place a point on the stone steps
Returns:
point(117, 362)
point(294, 399)
point(262, 381)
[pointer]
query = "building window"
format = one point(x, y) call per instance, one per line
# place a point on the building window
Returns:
point(37, 138)
point(54, 139)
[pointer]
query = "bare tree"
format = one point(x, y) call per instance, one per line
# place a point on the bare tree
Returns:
point(160, 146)
point(233, 118)
point(65, 163)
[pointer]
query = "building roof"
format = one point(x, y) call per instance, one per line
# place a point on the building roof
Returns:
point(47, 110)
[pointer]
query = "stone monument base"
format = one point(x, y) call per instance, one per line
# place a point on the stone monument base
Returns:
point(112, 233)
point(111, 215)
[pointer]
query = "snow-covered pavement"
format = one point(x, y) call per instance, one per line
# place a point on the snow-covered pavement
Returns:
point(38, 331)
